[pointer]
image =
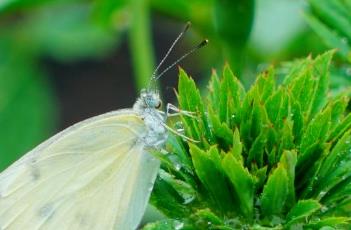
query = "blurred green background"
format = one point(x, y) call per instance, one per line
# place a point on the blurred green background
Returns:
point(63, 61)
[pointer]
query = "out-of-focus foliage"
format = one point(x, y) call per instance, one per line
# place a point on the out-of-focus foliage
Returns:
point(331, 20)
point(276, 156)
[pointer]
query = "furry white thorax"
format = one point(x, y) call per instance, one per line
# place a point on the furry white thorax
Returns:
point(147, 106)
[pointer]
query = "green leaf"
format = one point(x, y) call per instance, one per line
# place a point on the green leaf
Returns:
point(329, 36)
point(260, 177)
point(242, 182)
point(26, 107)
point(206, 219)
point(207, 165)
point(237, 146)
point(223, 134)
point(257, 150)
point(302, 210)
point(335, 168)
point(334, 14)
point(190, 100)
point(235, 36)
point(167, 200)
point(321, 74)
point(184, 190)
point(341, 128)
point(333, 222)
point(168, 224)
point(275, 192)
point(62, 39)
point(316, 132)
point(277, 107)
point(225, 96)
point(288, 161)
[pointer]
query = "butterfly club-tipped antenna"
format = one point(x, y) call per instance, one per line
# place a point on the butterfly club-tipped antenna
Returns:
point(199, 46)
point(153, 76)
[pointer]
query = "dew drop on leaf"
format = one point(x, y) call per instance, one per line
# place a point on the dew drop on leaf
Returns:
point(178, 225)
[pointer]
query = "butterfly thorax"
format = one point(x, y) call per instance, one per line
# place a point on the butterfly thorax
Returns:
point(147, 106)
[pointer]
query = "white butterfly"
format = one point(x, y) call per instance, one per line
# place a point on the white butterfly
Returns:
point(97, 174)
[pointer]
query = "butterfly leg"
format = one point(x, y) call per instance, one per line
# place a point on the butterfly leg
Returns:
point(172, 108)
point(179, 134)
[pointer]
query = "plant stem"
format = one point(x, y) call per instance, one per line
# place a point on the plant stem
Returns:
point(140, 43)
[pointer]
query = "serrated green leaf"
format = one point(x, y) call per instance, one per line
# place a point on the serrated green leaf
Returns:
point(340, 192)
point(184, 190)
point(335, 168)
point(277, 106)
point(286, 136)
point(190, 100)
point(228, 98)
point(295, 70)
point(275, 192)
point(302, 210)
point(168, 201)
point(302, 89)
point(237, 146)
point(223, 134)
point(341, 128)
point(298, 121)
point(214, 88)
point(316, 132)
point(333, 222)
point(207, 165)
point(207, 218)
point(180, 153)
point(242, 182)
point(257, 149)
point(288, 161)
point(260, 177)
point(338, 109)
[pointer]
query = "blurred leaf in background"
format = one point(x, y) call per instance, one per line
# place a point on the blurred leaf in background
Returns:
point(331, 21)
point(27, 101)
point(26, 108)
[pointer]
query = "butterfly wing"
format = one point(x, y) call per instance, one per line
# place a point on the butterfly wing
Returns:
point(93, 175)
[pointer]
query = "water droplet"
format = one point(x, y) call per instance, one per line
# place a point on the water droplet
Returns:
point(344, 40)
point(322, 193)
point(209, 223)
point(178, 225)
point(177, 166)
point(324, 208)
point(188, 199)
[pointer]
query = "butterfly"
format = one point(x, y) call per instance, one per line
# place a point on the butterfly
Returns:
point(96, 174)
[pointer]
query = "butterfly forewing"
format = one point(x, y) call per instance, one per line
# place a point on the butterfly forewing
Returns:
point(83, 178)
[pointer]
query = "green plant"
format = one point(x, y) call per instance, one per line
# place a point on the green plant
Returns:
point(331, 20)
point(274, 157)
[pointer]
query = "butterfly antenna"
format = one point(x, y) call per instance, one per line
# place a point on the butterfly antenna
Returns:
point(199, 46)
point(153, 76)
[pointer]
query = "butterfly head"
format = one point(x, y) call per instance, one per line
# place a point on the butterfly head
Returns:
point(149, 99)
